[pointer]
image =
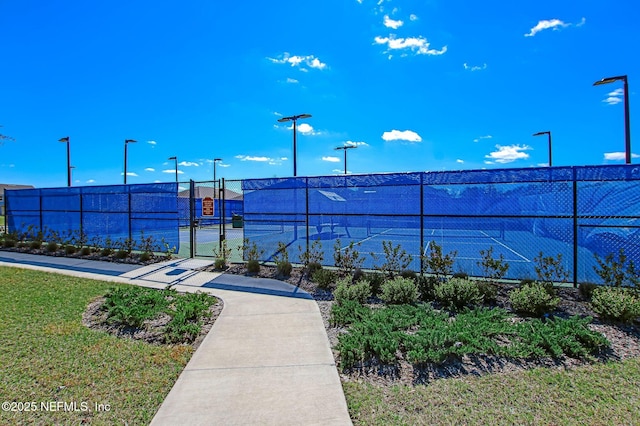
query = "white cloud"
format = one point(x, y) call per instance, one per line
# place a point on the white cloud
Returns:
point(331, 159)
point(390, 23)
point(352, 143)
point(283, 158)
point(251, 158)
point(482, 137)
point(341, 171)
point(129, 174)
point(406, 135)
point(292, 81)
point(305, 129)
point(180, 172)
point(417, 45)
point(91, 181)
point(224, 165)
point(459, 161)
point(488, 162)
point(475, 67)
point(188, 164)
point(615, 156)
point(508, 154)
point(152, 143)
point(614, 97)
point(413, 17)
point(582, 22)
point(296, 61)
point(545, 25)
point(277, 114)
point(149, 169)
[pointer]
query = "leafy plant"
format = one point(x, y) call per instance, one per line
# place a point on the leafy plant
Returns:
point(533, 299)
point(586, 289)
point(438, 264)
point(358, 292)
point(220, 264)
point(253, 266)
point(348, 258)
point(457, 293)
point(250, 250)
point(281, 257)
point(489, 291)
point(324, 278)
point(426, 288)
point(616, 303)
point(550, 269)
point(312, 267)
point(107, 250)
point(376, 280)
point(52, 247)
point(396, 259)
point(222, 254)
point(617, 272)
point(494, 269)
point(145, 256)
point(400, 291)
point(314, 255)
point(147, 244)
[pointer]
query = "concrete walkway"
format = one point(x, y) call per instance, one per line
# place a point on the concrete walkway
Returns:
point(266, 360)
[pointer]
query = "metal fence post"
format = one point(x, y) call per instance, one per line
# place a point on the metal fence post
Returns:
point(192, 212)
point(420, 253)
point(307, 211)
point(575, 227)
point(4, 213)
point(223, 188)
point(128, 189)
point(81, 214)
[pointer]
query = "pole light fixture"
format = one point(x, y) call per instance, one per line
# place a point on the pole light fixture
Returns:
point(126, 142)
point(627, 130)
point(345, 148)
point(215, 160)
point(176, 160)
point(66, 140)
point(548, 133)
point(295, 119)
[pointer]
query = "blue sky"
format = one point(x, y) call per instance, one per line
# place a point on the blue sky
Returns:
point(416, 85)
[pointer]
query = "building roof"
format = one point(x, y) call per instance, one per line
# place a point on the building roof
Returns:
point(4, 186)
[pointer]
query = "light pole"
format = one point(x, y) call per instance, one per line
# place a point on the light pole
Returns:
point(548, 132)
point(345, 148)
point(68, 159)
point(627, 130)
point(215, 160)
point(176, 160)
point(126, 142)
point(294, 118)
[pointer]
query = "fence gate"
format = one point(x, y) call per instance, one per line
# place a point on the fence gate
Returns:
point(211, 219)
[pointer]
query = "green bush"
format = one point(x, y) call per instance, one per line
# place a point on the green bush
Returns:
point(617, 272)
point(144, 256)
point(533, 299)
point(284, 268)
point(52, 247)
point(106, 251)
point(456, 293)
point(462, 275)
point(396, 259)
point(253, 266)
point(358, 292)
point(220, 264)
point(493, 269)
point(8, 242)
point(376, 280)
point(616, 303)
point(399, 291)
point(35, 245)
point(408, 273)
point(85, 251)
point(69, 249)
point(426, 288)
point(324, 278)
point(586, 289)
point(312, 267)
point(347, 312)
point(132, 306)
point(489, 291)
point(437, 263)
point(122, 254)
point(347, 259)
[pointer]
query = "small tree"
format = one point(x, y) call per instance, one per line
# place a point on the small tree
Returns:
point(550, 269)
point(347, 259)
point(617, 272)
point(396, 259)
point(493, 269)
point(438, 264)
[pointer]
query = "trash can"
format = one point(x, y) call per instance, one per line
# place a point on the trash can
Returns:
point(236, 221)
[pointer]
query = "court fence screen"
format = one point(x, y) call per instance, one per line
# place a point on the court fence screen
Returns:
point(575, 212)
point(117, 212)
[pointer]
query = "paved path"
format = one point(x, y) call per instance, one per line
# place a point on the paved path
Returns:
point(266, 360)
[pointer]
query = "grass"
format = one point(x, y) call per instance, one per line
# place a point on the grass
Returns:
point(604, 394)
point(48, 355)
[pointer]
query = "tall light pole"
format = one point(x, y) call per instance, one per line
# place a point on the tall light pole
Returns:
point(627, 130)
point(66, 139)
point(295, 119)
point(215, 160)
point(126, 142)
point(548, 132)
point(176, 160)
point(345, 148)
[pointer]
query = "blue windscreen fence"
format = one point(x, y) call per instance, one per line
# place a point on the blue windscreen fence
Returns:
point(579, 213)
point(117, 212)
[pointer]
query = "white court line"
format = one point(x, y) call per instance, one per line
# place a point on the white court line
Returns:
point(508, 248)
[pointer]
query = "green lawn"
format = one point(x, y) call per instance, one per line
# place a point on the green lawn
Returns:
point(606, 394)
point(49, 357)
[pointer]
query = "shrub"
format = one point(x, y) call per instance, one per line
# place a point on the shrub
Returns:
point(253, 266)
point(463, 275)
point(426, 288)
point(250, 250)
point(122, 254)
point(533, 299)
point(347, 312)
point(396, 259)
point(281, 254)
point(313, 255)
point(488, 291)
point(400, 291)
point(52, 247)
point(358, 274)
point(616, 303)
point(407, 273)
point(222, 252)
point(107, 251)
point(69, 249)
point(617, 272)
point(550, 269)
point(284, 268)
point(35, 245)
point(132, 305)
point(347, 259)
point(358, 292)
point(144, 256)
point(456, 293)
point(494, 269)
point(312, 267)
point(438, 264)
point(9, 242)
point(85, 251)
point(220, 264)
point(586, 289)
point(376, 280)
point(324, 278)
